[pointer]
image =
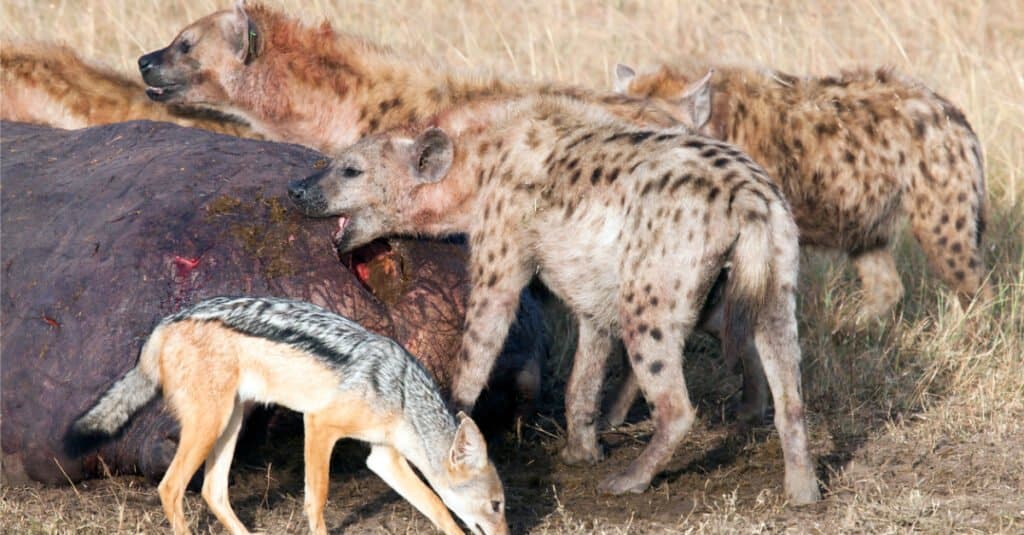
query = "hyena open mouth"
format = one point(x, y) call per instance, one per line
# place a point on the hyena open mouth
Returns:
point(161, 93)
point(376, 265)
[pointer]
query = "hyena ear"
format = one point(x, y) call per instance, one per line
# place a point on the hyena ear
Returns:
point(432, 155)
point(696, 101)
point(624, 74)
point(469, 449)
point(244, 33)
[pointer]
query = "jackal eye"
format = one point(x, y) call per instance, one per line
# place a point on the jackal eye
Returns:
point(184, 46)
point(351, 172)
point(496, 506)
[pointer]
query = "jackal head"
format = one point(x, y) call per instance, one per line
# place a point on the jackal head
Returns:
point(469, 485)
point(689, 102)
point(196, 68)
point(376, 187)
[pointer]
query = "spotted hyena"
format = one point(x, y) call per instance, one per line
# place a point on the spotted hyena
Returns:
point(852, 153)
point(631, 227)
point(45, 83)
point(323, 88)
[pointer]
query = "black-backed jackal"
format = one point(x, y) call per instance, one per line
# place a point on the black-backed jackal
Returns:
point(347, 382)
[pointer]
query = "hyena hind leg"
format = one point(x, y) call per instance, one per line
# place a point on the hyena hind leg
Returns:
point(654, 342)
point(776, 341)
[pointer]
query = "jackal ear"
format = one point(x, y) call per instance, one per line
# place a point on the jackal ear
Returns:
point(432, 155)
point(469, 449)
point(624, 74)
point(696, 101)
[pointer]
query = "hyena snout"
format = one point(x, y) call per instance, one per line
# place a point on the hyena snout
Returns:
point(148, 62)
point(308, 196)
point(162, 85)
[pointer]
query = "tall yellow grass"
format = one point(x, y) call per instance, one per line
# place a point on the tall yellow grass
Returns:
point(930, 379)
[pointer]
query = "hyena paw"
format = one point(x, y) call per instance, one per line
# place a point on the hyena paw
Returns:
point(580, 454)
point(629, 480)
point(802, 490)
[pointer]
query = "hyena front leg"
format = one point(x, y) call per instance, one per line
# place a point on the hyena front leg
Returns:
point(950, 234)
point(492, 305)
point(582, 394)
point(882, 287)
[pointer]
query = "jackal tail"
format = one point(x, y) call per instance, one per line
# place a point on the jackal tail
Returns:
point(126, 396)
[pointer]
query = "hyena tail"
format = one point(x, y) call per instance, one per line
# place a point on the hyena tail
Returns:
point(752, 277)
point(126, 396)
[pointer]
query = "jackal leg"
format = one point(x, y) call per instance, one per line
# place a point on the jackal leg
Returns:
point(218, 465)
point(387, 463)
point(200, 430)
point(320, 438)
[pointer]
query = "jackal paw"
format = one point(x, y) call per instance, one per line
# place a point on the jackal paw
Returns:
point(575, 454)
point(629, 480)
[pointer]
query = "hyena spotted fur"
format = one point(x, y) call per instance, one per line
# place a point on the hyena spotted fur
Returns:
point(324, 88)
point(50, 84)
point(852, 153)
point(629, 226)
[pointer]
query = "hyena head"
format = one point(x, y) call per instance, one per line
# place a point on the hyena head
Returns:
point(373, 186)
point(194, 68)
point(689, 102)
point(469, 483)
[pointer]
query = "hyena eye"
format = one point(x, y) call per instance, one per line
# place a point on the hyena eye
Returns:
point(496, 506)
point(351, 172)
point(184, 46)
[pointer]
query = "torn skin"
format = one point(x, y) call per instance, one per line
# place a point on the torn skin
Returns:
point(379, 268)
point(185, 265)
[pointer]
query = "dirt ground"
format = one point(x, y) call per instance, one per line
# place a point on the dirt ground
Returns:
point(917, 423)
point(881, 472)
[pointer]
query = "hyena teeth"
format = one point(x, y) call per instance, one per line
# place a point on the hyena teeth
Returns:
point(342, 224)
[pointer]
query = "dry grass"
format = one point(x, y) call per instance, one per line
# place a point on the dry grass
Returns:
point(916, 422)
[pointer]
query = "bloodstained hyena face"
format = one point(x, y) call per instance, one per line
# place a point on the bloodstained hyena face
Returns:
point(374, 185)
point(193, 68)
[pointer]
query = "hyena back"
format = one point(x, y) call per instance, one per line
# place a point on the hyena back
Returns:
point(324, 88)
point(853, 153)
point(629, 226)
point(50, 84)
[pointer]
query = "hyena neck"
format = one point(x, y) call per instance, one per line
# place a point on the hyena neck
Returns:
point(342, 88)
point(453, 205)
